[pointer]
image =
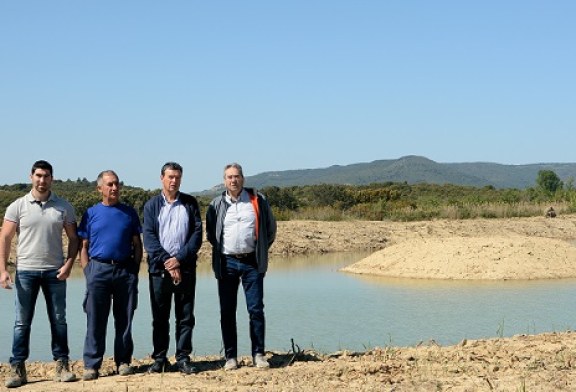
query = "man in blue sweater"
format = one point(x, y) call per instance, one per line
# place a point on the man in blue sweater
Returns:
point(111, 254)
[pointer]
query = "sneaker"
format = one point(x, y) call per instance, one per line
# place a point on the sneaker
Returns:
point(231, 364)
point(159, 366)
point(17, 376)
point(260, 361)
point(126, 370)
point(63, 373)
point(90, 374)
point(185, 366)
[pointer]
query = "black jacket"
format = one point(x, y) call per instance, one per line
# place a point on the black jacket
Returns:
point(156, 255)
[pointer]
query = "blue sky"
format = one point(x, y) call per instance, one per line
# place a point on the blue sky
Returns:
point(279, 85)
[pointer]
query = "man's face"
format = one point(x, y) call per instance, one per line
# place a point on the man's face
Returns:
point(41, 180)
point(233, 181)
point(110, 189)
point(171, 180)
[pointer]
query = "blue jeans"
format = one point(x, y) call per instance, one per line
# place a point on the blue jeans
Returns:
point(234, 272)
point(109, 286)
point(161, 292)
point(28, 284)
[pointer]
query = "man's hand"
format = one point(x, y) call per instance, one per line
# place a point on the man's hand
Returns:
point(6, 280)
point(63, 272)
point(176, 276)
point(171, 263)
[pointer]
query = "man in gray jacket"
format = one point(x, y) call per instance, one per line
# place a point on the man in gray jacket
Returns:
point(241, 228)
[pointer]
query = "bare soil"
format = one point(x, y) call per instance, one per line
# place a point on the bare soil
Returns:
point(542, 362)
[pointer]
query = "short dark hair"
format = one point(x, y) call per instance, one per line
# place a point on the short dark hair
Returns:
point(171, 166)
point(41, 164)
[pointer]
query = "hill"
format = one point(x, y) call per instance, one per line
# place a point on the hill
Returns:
point(413, 170)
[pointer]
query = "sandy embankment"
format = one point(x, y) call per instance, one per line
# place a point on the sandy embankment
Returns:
point(487, 257)
point(528, 248)
point(517, 248)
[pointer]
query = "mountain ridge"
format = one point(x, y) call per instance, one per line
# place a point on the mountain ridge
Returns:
point(412, 169)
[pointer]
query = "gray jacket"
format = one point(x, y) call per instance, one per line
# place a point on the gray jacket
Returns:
point(215, 228)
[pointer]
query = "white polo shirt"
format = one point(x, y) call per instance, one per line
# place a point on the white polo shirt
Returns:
point(40, 229)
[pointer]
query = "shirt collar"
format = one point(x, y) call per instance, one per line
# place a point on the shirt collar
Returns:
point(30, 197)
point(166, 201)
point(241, 197)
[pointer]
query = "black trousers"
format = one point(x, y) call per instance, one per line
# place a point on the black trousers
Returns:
point(162, 290)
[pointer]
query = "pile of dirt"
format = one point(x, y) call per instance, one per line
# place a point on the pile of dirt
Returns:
point(496, 258)
point(543, 362)
point(526, 248)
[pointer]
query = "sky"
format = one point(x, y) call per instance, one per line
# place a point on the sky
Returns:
point(280, 85)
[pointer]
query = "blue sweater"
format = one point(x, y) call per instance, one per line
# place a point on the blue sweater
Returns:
point(110, 230)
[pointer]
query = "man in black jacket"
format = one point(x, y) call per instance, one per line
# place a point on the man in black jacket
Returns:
point(172, 233)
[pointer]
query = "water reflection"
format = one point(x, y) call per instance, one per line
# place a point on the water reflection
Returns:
point(307, 299)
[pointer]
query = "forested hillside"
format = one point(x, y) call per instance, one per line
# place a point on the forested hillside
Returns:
point(377, 201)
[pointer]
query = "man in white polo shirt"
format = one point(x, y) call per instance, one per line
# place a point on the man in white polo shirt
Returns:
point(39, 218)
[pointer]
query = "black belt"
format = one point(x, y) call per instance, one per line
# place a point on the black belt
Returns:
point(242, 255)
point(109, 261)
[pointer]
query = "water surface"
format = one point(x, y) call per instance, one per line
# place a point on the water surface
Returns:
point(307, 299)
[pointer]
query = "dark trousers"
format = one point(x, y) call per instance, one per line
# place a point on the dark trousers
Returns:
point(162, 289)
point(108, 286)
point(245, 271)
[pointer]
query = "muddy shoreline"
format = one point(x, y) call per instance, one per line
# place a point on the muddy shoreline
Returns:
point(543, 362)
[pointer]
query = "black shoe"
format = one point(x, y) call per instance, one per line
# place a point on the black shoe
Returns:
point(159, 366)
point(186, 367)
point(125, 369)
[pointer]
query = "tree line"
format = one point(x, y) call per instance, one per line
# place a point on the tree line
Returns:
point(379, 201)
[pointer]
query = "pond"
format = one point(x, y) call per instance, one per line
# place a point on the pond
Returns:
point(309, 300)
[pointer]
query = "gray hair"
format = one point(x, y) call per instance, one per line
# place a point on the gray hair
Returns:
point(235, 166)
point(103, 173)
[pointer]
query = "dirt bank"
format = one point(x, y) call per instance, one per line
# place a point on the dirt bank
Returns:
point(536, 363)
point(522, 363)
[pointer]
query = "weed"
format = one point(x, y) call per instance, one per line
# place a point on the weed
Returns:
point(522, 387)
point(500, 330)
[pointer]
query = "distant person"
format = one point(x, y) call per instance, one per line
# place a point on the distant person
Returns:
point(172, 234)
point(550, 213)
point(39, 218)
point(110, 255)
point(241, 228)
